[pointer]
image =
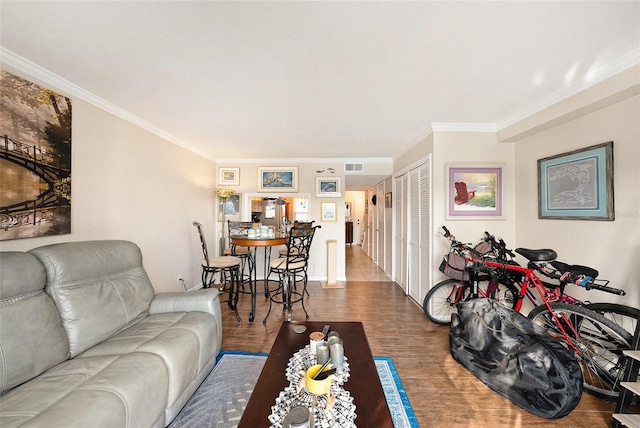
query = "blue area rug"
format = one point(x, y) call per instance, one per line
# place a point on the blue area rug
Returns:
point(223, 395)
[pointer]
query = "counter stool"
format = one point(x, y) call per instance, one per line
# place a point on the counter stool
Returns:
point(243, 253)
point(285, 251)
point(289, 269)
point(227, 269)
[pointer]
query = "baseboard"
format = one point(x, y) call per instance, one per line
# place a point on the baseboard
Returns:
point(195, 287)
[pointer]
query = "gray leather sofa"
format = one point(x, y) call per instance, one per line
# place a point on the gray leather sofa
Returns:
point(85, 341)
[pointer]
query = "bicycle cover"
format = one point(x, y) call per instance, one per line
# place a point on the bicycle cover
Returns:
point(516, 358)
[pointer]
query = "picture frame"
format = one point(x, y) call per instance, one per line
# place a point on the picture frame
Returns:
point(577, 185)
point(232, 207)
point(347, 209)
point(301, 205)
point(387, 200)
point(278, 178)
point(474, 192)
point(229, 176)
point(328, 211)
point(328, 187)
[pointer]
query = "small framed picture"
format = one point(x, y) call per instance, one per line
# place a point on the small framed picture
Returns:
point(229, 176)
point(387, 200)
point(328, 211)
point(328, 187)
point(231, 207)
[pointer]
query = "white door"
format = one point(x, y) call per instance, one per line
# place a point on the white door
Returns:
point(371, 236)
point(380, 222)
point(413, 236)
point(424, 219)
point(403, 232)
point(398, 224)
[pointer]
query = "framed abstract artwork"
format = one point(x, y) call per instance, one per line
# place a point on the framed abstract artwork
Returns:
point(577, 185)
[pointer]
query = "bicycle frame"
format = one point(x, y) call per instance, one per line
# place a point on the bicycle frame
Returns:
point(547, 295)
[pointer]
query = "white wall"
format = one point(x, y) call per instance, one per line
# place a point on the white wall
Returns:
point(612, 247)
point(130, 184)
point(470, 148)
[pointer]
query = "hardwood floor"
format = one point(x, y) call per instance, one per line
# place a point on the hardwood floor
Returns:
point(442, 392)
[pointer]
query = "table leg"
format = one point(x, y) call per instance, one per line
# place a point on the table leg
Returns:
point(267, 260)
point(252, 283)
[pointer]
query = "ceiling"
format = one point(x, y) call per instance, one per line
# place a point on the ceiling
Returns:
point(295, 79)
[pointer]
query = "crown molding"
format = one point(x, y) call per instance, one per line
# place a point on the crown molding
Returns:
point(23, 65)
point(279, 161)
point(463, 127)
point(593, 77)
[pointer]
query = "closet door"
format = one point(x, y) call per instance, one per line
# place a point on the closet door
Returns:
point(398, 237)
point(425, 235)
point(413, 236)
point(403, 233)
point(380, 222)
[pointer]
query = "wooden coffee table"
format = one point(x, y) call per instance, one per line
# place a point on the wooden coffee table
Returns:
point(363, 384)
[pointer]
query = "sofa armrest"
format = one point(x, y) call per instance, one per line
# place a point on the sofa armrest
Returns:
point(204, 300)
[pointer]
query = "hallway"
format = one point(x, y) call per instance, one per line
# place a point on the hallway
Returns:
point(359, 267)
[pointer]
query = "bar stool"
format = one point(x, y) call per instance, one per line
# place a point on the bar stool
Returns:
point(243, 253)
point(227, 269)
point(284, 251)
point(289, 269)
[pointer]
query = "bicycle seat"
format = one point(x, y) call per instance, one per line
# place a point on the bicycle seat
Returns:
point(581, 270)
point(544, 255)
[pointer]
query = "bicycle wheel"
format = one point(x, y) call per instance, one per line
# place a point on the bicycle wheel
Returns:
point(600, 341)
point(440, 301)
point(623, 315)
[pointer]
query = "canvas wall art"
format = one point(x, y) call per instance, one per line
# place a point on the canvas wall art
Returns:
point(35, 160)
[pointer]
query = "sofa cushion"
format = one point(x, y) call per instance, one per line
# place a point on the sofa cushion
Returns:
point(99, 287)
point(185, 341)
point(109, 391)
point(31, 336)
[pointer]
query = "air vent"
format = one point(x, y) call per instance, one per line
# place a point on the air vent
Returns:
point(354, 167)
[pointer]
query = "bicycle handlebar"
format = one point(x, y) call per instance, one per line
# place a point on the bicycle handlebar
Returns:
point(605, 288)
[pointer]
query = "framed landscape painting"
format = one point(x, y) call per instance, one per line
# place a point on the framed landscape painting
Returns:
point(229, 176)
point(278, 179)
point(577, 185)
point(474, 192)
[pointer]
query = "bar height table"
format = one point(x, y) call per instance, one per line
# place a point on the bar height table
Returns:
point(266, 243)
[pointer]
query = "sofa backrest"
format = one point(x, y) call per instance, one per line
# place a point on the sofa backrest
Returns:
point(31, 336)
point(99, 287)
